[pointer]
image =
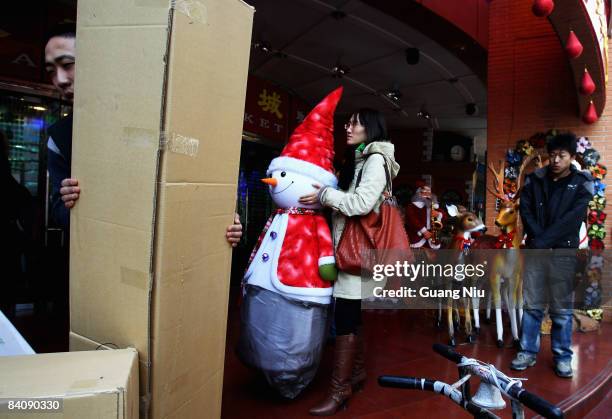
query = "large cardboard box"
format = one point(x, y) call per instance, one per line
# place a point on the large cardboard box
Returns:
point(160, 92)
point(86, 385)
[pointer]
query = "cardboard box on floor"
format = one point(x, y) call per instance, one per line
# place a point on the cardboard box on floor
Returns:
point(94, 384)
point(158, 115)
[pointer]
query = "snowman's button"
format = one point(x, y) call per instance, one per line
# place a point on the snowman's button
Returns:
point(265, 257)
point(273, 235)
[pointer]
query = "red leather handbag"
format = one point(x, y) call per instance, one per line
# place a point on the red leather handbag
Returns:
point(382, 232)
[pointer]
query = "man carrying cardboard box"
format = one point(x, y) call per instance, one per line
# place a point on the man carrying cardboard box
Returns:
point(60, 65)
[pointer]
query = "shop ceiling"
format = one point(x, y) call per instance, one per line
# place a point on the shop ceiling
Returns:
point(304, 45)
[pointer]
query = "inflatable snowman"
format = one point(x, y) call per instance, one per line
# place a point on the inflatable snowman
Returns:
point(288, 283)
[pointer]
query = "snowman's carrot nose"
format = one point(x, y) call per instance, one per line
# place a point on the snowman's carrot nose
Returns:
point(270, 181)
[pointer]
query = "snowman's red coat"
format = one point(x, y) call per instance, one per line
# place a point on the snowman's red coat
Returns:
point(307, 240)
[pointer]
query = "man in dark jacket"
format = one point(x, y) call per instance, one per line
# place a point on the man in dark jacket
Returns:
point(60, 58)
point(60, 66)
point(553, 205)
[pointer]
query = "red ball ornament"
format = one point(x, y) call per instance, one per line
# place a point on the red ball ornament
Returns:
point(587, 86)
point(573, 47)
point(542, 8)
point(590, 115)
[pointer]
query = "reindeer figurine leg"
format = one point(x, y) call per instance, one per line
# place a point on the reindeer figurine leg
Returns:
point(496, 293)
point(513, 321)
point(451, 323)
point(468, 319)
point(438, 284)
point(515, 301)
point(476, 308)
point(519, 293)
point(439, 314)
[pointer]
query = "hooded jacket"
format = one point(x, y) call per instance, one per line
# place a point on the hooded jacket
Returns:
point(359, 201)
point(552, 220)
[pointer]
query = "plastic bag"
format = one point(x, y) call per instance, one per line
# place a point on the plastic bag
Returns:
point(282, 337)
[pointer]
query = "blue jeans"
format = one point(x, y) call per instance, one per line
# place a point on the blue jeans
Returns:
point(548, 281)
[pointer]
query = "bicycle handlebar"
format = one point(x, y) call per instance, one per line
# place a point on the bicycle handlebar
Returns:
point(535, 403)
point(447, 352)
point(439, 387)
point(410, 383)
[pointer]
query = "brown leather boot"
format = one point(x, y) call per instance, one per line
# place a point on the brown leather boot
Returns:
point(359, 373)
point(340, 388)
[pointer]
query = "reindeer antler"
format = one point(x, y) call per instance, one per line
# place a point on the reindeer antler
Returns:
point(498, 181)
point(527, 160)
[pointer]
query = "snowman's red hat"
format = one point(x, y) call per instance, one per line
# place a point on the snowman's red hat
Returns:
point(310, 150)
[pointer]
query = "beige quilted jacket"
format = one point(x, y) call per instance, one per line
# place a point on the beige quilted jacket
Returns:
point(367, 197)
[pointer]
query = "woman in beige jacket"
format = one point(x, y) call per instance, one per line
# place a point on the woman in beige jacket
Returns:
point(369, 148)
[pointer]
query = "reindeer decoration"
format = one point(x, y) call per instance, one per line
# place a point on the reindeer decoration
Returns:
point(505, 278)
point(467, 225)
point(505, 271)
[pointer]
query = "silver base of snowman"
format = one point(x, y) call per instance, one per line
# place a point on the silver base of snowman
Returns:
point(283, 338)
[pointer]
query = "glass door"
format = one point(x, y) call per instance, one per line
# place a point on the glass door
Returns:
point(35, 273)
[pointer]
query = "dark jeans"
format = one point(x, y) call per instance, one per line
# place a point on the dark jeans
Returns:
point(548, 281)
point(347, 316)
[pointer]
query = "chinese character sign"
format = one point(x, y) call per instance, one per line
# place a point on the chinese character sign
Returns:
point(266, 110)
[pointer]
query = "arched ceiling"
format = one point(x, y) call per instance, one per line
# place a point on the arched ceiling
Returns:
point(298, 43)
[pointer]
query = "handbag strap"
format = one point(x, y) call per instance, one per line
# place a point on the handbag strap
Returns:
point(387, 174)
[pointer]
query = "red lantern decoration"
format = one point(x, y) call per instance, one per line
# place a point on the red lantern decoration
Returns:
point(573, 47)
point(542, 8)
point(587, 86)
point(590, 115)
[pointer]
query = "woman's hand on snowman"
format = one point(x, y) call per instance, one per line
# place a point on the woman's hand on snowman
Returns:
point(311, 199)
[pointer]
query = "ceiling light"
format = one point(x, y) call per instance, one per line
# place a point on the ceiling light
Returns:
point(339, 71)
point(423, 113)
point(263, 46)
point(394, 95)
point(38, 108)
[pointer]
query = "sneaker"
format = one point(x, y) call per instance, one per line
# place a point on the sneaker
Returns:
point(564, 369)
point(522, 361)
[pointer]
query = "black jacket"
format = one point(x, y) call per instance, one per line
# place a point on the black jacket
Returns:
point(554, 221)
point(59, 161)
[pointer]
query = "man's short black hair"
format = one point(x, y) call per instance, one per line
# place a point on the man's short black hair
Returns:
point(63, 30)
point(567, 142)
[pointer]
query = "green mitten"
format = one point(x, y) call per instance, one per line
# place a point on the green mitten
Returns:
point(328, 272)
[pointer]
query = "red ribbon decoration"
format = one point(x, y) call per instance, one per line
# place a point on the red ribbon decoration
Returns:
point(504, 241)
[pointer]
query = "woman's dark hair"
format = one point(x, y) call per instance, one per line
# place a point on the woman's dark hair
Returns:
point(376, 130)
point(567, 142)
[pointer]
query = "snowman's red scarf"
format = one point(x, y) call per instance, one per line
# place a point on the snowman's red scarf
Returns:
point(292, 210)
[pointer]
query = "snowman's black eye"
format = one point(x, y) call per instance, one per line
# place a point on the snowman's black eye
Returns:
point(283, 174)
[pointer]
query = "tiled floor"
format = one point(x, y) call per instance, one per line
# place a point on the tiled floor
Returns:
point(400, 343)
point(397, 343)
point(603, 410)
